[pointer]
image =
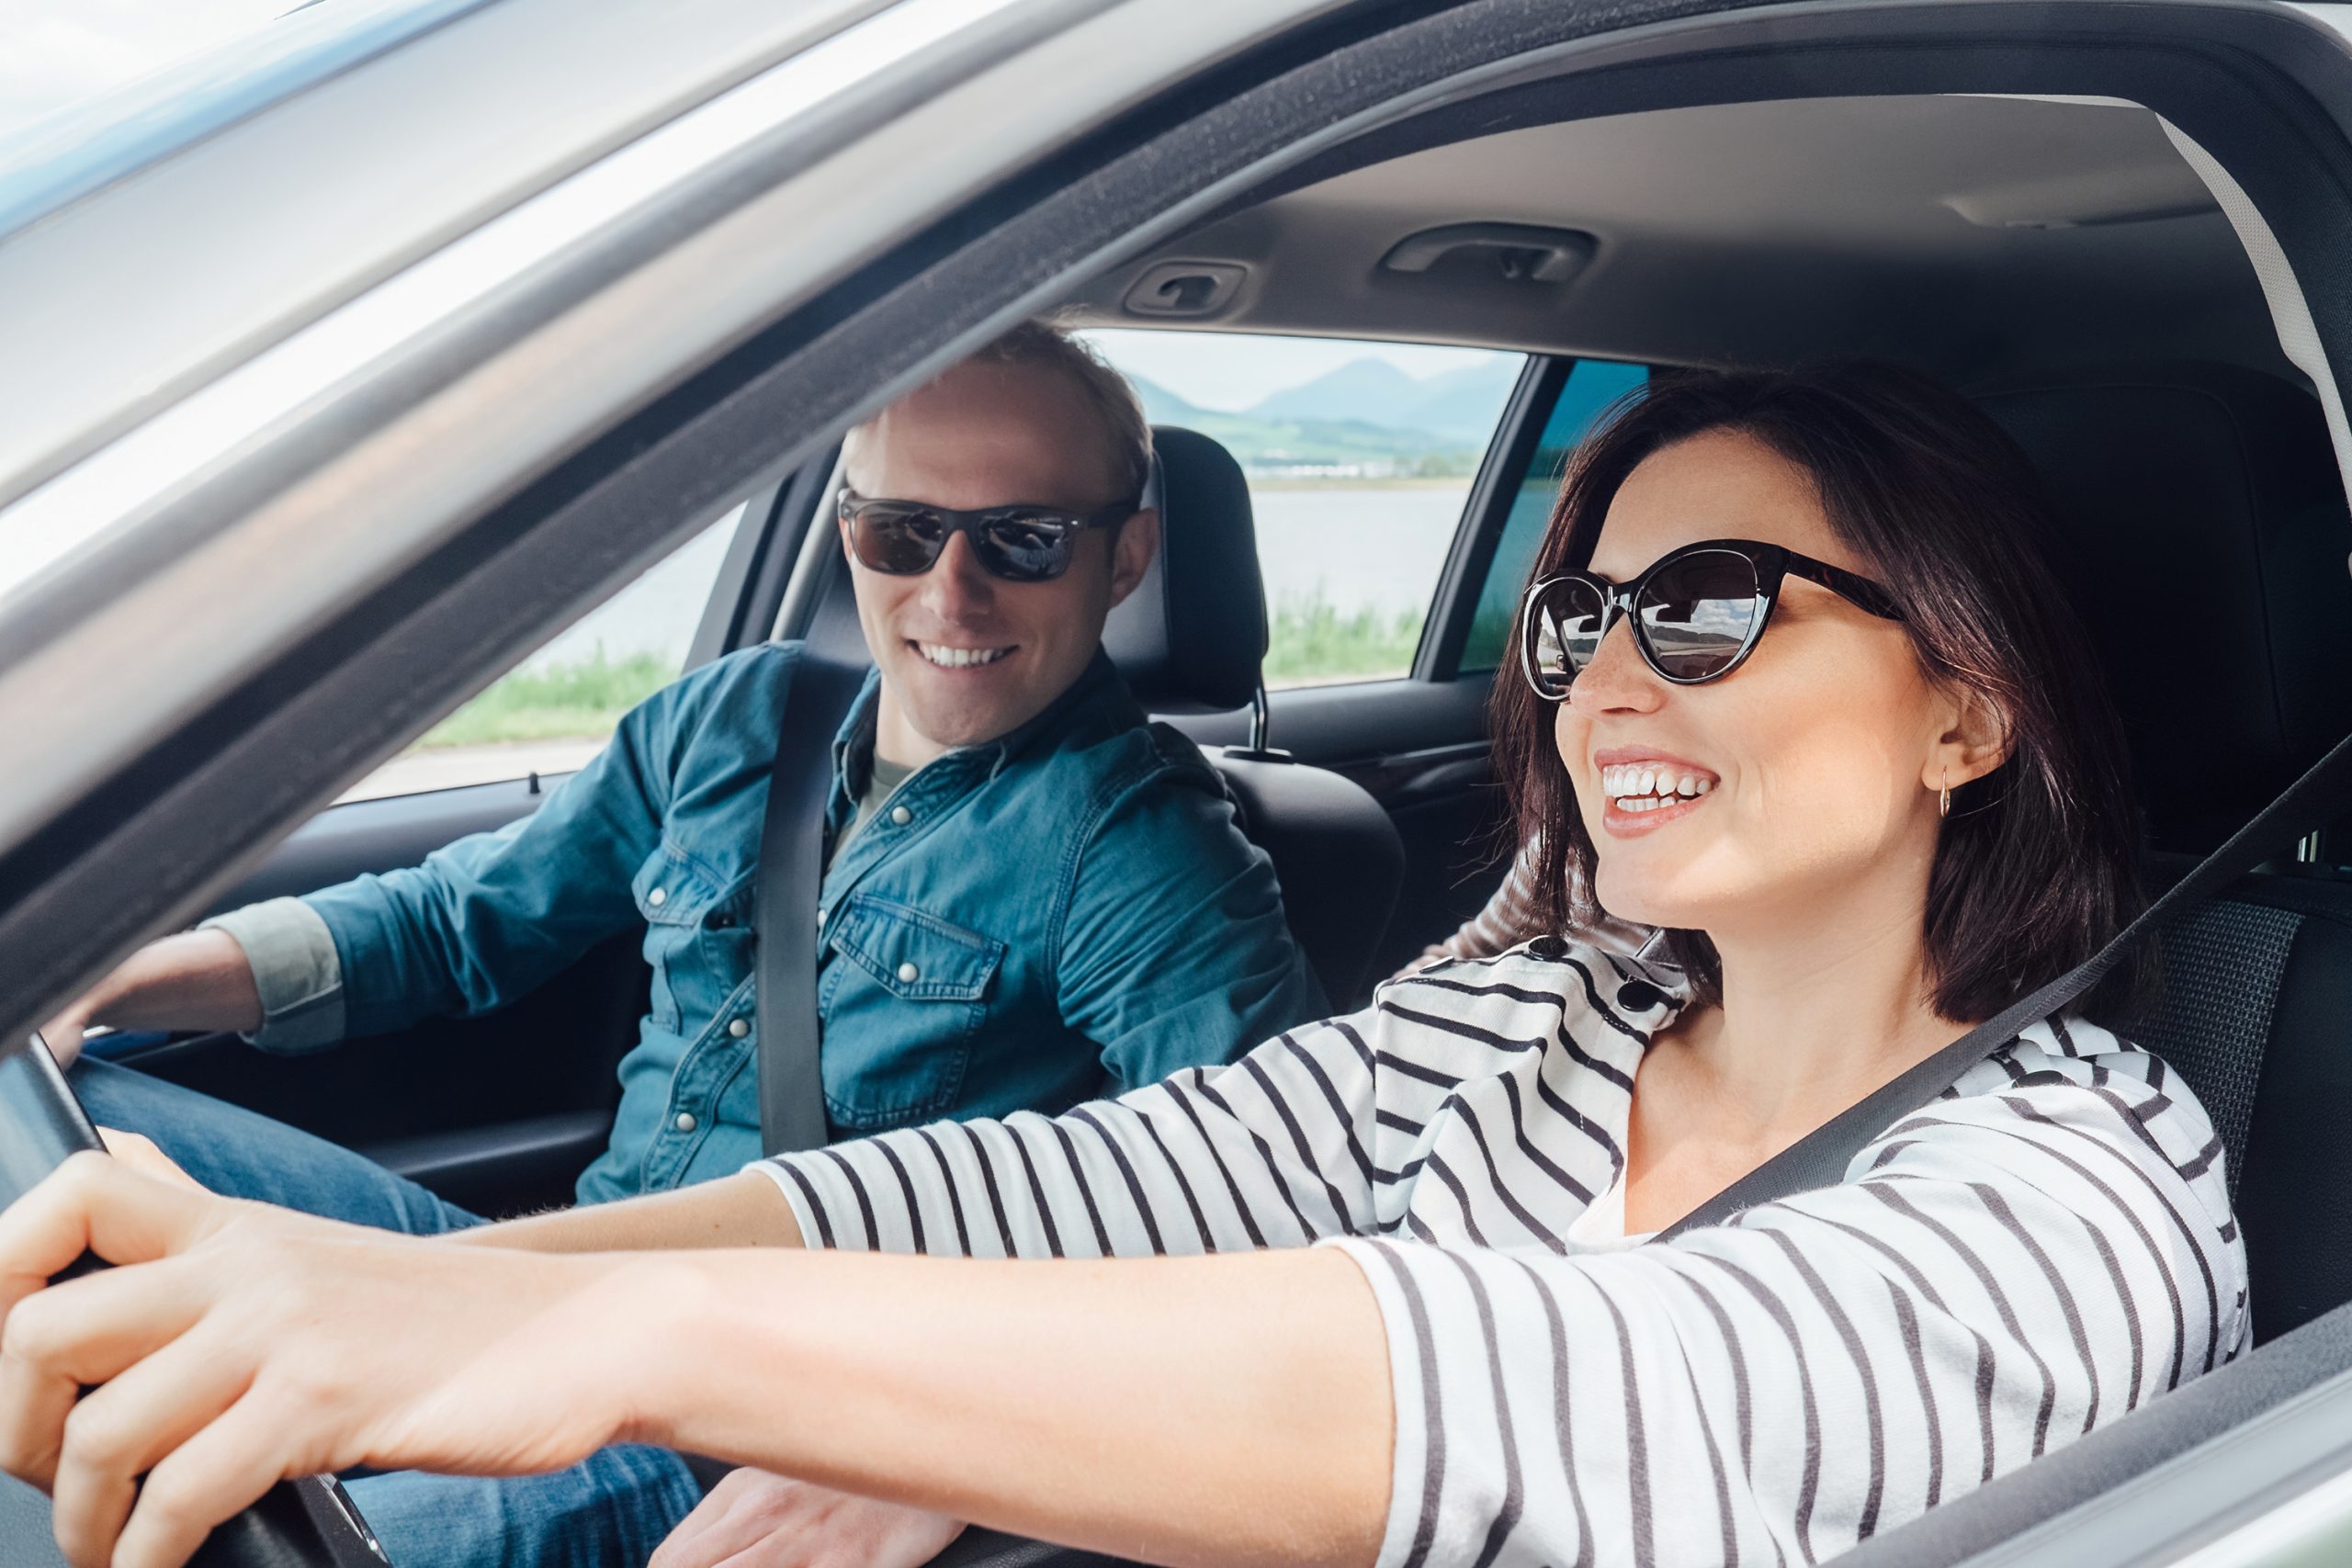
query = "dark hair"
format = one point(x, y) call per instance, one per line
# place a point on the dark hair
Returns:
point(2036, 867)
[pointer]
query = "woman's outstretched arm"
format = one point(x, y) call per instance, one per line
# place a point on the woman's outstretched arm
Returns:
point(1230, 1410)
point(1284, 1147)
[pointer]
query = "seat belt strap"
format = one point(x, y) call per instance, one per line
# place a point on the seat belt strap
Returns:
point(791, 877)
point(1821, 1157)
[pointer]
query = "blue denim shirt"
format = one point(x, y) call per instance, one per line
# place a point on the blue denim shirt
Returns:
point(1065, 912)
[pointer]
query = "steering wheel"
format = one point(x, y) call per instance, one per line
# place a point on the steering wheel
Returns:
point(310, 1522)
point(306, 1523)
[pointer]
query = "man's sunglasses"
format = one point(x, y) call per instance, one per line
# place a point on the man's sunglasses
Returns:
point(1696, 613)
point(1018, 543)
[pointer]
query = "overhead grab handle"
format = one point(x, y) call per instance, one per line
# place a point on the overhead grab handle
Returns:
point(1521, 253)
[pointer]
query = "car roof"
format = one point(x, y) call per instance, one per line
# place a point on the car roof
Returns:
point(1964, 234)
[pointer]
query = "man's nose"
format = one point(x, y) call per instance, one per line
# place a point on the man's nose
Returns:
point(957, 588)
point(1618, 680)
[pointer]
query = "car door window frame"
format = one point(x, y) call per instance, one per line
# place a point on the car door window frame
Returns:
point(1487, 513)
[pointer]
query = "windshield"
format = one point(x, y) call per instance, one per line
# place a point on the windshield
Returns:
point(91, 90)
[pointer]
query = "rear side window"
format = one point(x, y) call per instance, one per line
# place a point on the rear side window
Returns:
point(1360, 456)
point(1591, 386)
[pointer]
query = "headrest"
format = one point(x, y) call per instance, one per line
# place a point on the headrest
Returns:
point(2203, 539)
point(1192, 636)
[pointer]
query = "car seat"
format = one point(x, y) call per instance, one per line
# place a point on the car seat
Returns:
point(1192, 640)
point(2204, 540)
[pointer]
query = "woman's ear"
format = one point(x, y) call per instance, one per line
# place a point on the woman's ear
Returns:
point(1974, 738)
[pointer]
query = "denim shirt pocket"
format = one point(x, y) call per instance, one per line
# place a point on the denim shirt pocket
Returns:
point(672, 893)
point(902, 1001)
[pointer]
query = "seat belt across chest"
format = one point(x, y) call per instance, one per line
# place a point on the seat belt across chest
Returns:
point(1820, 1158)
point(790, 885)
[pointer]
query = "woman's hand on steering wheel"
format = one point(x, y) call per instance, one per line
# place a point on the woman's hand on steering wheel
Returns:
point(240, 1344)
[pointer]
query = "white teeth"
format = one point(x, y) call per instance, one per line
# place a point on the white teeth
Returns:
point(1646, 786)
point(959, 658)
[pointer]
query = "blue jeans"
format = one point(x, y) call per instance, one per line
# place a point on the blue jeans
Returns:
point(613, 1508)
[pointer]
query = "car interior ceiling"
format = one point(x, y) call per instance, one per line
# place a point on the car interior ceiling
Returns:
point(2062, 262)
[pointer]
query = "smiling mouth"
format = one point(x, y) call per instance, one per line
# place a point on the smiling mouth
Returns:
point(941, 656)
point(1649, 786)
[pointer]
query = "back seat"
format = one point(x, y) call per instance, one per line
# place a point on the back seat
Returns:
point(2205, 541)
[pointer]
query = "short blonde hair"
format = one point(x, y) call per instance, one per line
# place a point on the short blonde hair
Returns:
point(1048, 345)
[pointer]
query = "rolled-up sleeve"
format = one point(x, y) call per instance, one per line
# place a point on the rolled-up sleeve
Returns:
point(296, 972)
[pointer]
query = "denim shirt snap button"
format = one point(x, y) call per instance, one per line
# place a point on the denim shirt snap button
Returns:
point(739, 1029)
point(909, 974)
point(902, 816)
point(657, 897)
point(685, 1122)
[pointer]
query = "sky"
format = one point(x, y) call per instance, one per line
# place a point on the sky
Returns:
point(55, 52)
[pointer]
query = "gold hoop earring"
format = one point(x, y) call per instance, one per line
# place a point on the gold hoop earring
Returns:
point(1943, 801)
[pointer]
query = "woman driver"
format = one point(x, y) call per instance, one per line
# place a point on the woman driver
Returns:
point(1852, 765)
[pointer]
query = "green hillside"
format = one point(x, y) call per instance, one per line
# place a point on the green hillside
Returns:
point(1279, 447)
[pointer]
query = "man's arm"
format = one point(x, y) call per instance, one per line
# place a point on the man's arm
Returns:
point(1174, 951)
point(194, 980)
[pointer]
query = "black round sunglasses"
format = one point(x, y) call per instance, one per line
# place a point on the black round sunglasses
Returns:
point(1018, 543)
point(1697, 613)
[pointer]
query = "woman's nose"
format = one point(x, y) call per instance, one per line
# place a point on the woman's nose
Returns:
point(1617, 680)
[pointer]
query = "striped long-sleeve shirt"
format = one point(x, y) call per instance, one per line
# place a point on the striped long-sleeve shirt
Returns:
point(2043, 1248)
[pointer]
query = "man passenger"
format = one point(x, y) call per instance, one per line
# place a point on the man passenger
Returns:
point(1033, 896)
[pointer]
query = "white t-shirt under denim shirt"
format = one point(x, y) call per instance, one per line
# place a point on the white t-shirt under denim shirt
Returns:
point(2043, 1248)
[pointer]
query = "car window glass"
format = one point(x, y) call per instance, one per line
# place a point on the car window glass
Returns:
point(1592, 385)
point(1360, 456)
point(556, 709)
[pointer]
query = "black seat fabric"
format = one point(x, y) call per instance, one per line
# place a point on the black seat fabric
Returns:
point(2257, 1015)
point(1339, 855)
point(1192, 640)
point(2204, 539)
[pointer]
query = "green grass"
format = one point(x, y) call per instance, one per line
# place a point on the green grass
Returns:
point(1312, 641)
point(555, 702)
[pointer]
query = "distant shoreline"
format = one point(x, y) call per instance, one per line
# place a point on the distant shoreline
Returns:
point(1400, 481)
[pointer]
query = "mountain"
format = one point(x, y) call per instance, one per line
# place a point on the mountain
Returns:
point(1163, 406)
point(1463, 404)
point(1366, 418)
point(1371, 391)
point(1458, 406)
